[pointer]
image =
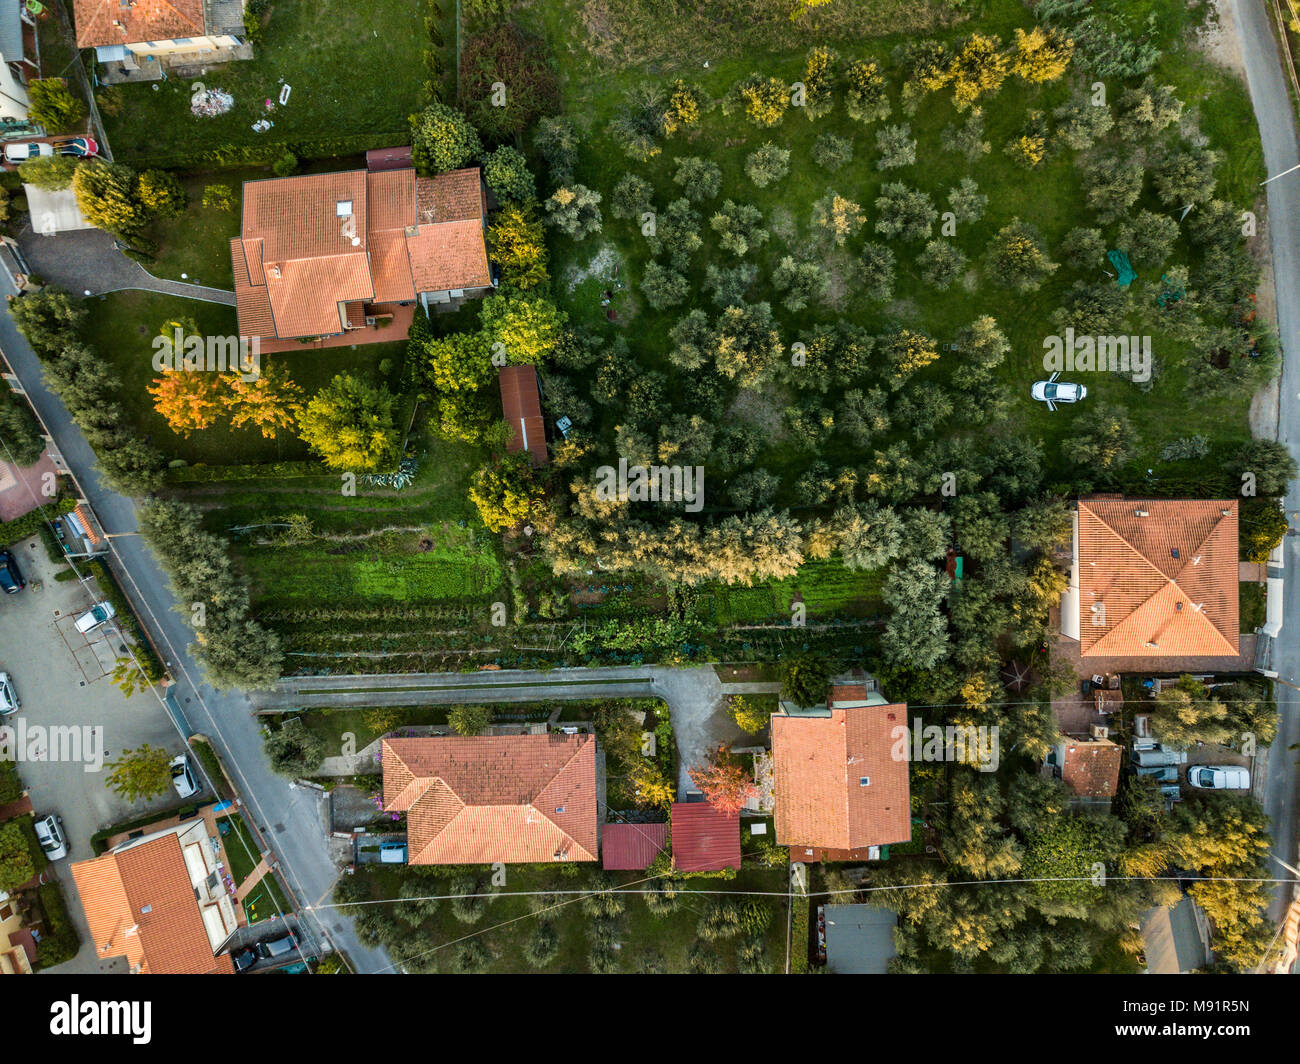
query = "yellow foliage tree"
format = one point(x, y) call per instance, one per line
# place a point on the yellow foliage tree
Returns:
point(189, 401)
point(269, 403)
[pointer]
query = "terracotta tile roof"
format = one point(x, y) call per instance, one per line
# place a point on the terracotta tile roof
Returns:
point(521, 407)
point(457, 196)
point(704, 839)
point(296, 259)
point(388, 158)
point(820, 763)
point(83, 515)
point(625, 847)
point(1091, 768)
point(143, 20)
point(169, 938)
point(483, 799)
point(1186, 605)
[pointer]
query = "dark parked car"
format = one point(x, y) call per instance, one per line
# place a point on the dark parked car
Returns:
point(278, 947)
point(245, 958)
point(10, 578)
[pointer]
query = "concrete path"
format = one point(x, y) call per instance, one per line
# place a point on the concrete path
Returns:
point(1269, 92)
point(696, 697)
point(87, 261)
point(290, 818)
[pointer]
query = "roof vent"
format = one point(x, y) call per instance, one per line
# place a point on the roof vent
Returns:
point(274, 271)
point(1178, 605)
point(559, 809)
point(1226, 513)
point(864, 781)
point(146, 910)
point(1153, 645)
point(1174, 552)
point(1141, 513)
point(412, 230)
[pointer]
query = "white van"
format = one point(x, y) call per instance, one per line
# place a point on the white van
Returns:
point(1219, 777)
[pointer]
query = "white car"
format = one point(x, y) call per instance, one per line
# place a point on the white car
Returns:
point(21, 151)
point(183, 777)
point(1051, 393)
point(95, 616)
point(1219, 777)
point(9, 700)
point(49, 833)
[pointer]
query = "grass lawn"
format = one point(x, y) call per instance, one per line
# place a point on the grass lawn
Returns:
point(122, 326)
point(1254, 605)
point(241, 849)
point(266, 900)
point(355, 71)
point(197, 243)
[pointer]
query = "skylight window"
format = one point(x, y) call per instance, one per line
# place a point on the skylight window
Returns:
point(343, 208)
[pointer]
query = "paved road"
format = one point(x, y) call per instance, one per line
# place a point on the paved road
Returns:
point(696, 697)
point(1277, 129)
point(289, 818)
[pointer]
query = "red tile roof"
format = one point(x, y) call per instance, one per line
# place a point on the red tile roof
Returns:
point(1151, 603)
point(312, 242)
point(140, 904)
point(625, 847)
point(1091, 768)
point(704, 839)
point(521, 406)
point(483, 799)
point(101, 22)
point(819, 767)
point(388, 158)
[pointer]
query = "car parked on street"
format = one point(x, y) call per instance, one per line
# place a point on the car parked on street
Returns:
point(9, 700)
point(183, 777)
point(49, 833)
point(1219, 777)
point(95, 616)
point(11, 579)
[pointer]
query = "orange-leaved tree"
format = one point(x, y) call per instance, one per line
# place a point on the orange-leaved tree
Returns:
point(189, 401)
point(724, 781)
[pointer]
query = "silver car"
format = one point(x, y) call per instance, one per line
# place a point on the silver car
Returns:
point(9, 700)
point(49, 833)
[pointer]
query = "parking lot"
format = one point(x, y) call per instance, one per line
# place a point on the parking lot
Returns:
point(62, 679)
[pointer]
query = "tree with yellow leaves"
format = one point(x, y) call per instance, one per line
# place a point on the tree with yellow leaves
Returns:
point(189, 401)
point(270, 402)
point(1041, 54)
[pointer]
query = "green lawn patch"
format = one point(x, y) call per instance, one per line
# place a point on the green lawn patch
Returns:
point(1254, 605)
point(241, 848)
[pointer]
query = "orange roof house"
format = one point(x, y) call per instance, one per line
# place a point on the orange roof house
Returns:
point(838, 788)
point(1153, 578)
point(517, 799)
point(151, 901)
point(1088, 766)
point(314, 251)
point(137, 39)
point(521, 406)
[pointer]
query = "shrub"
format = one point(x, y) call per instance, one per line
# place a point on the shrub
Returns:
point(700, 179)
point(768, 164)
point(762, 100)
point(50, 172)
point(161, 193)
point(905, 213)
point(641, 123)
point(831, 152)
point(469, 720)
point(442, 139)
point(507, 175)
point(896, 145)
point(839, 216)
point(293, 750)
point(866, 100)
point(749, 716)
point(631, 197)
point(502, 57)
point(285, 165)
point(941, 263)
point(575, 211)
point(1018, 258)
point(55, 107)
point(738, 227)
point(219, 197)
point(876, 273)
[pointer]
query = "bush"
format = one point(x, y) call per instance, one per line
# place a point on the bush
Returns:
point(161, 193)
point(769, 163)
point(469, 720)
point(897, 147)
point(507, 174)
point(762, 100)
point(293, 750)
point(631, 197)
point(574, 211)
point(504, 56)
point(831, 152)
point(286, 164)
point(219, 197)
point(55, 107)
point(442, 139)
point(699, 178)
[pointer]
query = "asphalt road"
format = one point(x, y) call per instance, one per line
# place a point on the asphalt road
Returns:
point(289, 818)
point(1277, 129)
